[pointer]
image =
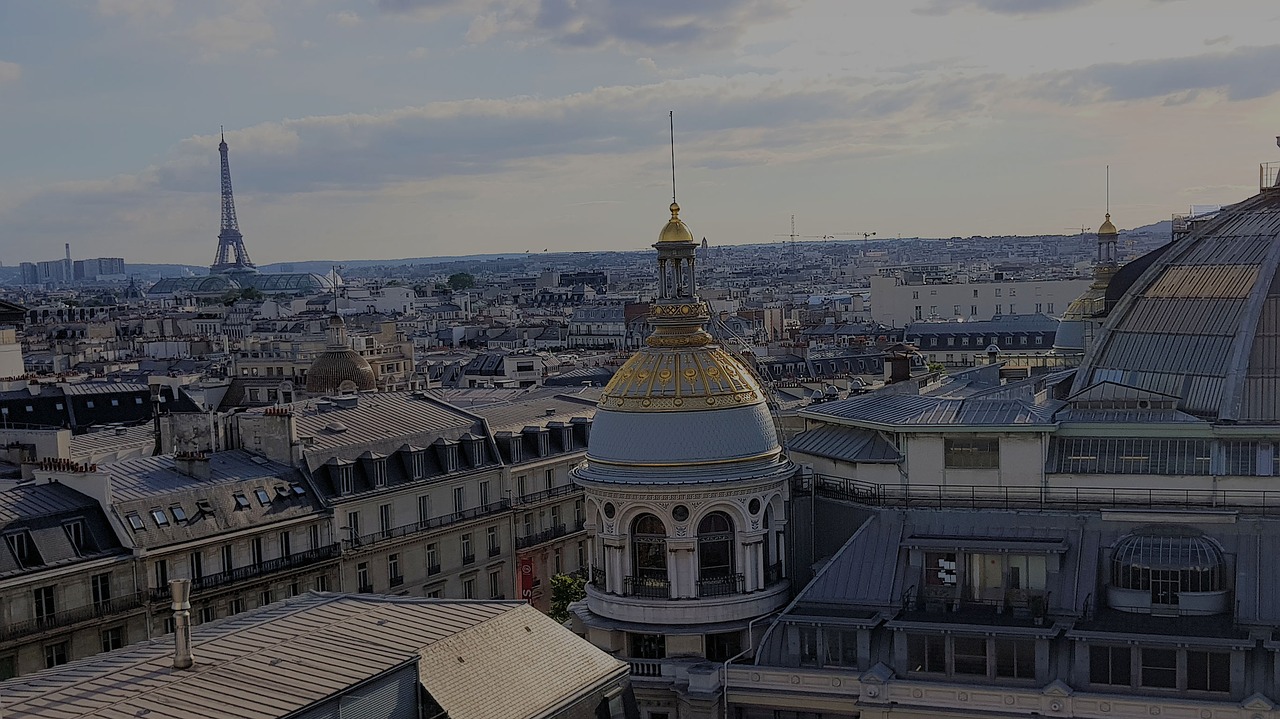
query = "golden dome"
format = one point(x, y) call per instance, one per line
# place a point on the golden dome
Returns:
point(697, 378)
point(676, 230)
point(1107, 228)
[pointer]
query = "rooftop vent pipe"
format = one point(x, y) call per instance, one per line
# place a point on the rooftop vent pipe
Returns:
point(180, 592)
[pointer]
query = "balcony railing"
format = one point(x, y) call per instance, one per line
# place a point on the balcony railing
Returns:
point(649, 587)
point(546, 535)
point(1253, 501)
point(535, 497)
point(469, 558)
point(365, 589)
point(645, 668)
point(495, 551)
point(722, 586)
point(67, 617)
point(773, 573)
point(599, 579)
point(253, 571)
point(396, 581)
point(445, 520)
point(433, 569)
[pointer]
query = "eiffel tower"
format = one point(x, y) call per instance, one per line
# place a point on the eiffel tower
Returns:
point(232, 256)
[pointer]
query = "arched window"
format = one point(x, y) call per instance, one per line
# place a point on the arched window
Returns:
point(649, 548)
point(715, 554)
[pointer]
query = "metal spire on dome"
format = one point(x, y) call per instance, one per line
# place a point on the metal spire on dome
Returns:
point(232, 255)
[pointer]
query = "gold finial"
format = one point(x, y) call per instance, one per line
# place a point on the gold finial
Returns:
point(1107, 228)
point(675, 230)
point(675, 211)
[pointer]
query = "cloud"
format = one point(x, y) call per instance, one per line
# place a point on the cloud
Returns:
point(594, 24)
point(10, 72)
point(1003, 7)
point(135, 10)
point(1241, 74)
point(1220, 40)
point(246, 27)
point(345, 18)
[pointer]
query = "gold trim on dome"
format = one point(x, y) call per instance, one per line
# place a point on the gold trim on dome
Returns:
point(694, 339)
point(668, 380)
point(688, 309)
point(736, 460)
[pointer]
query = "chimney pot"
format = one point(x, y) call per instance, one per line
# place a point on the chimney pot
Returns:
point(180, 593)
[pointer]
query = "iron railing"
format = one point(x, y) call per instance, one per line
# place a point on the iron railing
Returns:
point(67, 617)
point(649, 587)
point(253, 571)
point(469, 558)
point(599, 579)
point(396, 581)
point(535, 497)
point(722, 586)
point(445, 520)
point(773, 573)
point(935, 496)
point(433, 569)
point(547, 535)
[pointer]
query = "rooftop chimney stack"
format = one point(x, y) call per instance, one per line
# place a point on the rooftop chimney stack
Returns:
point(180, 592)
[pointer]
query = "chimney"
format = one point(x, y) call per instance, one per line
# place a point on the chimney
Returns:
point(180, 592)
point(192, 464)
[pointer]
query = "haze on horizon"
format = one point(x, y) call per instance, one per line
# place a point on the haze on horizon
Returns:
point(403, 128)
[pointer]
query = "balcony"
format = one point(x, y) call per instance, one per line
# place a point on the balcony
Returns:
point(396, 581)
point(544, 495)
point(253, 571)
point(433, 569)
point(365, 589)
point(1025, 609)
point(722, 586)
point(495, 551)
point(408, 530)
point(648, 587)
point(598, 578)
point(546, 535)
point(469, 558)
point(645, 667)
point(773, 573)
point(68, 617)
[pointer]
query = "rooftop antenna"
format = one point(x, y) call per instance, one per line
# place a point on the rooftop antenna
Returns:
point(1108, 189)
point(671, 121)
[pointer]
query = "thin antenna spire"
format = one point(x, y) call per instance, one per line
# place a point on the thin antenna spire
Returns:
point(1108, 189)
point(671, 119)
point(222, 132)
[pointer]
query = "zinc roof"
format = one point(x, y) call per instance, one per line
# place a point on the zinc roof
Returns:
point(903, 410)
point(281, 658)
point(847, 444)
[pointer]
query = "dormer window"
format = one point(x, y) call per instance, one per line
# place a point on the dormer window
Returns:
point(1162, 568)
point(346, 483)
point(242, 502)
point(418, 462)
point(378, 472)
point(135, 522)
point(75, 535)
point(264, 499)
point(23, 549)
point(517, 448)
point(475, 451)
point(179, 514)
point(161, 519)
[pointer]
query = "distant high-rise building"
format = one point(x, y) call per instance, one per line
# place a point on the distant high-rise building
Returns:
point(30, 273)
point(98, 267)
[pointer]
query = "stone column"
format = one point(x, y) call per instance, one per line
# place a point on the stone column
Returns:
point(613, 549)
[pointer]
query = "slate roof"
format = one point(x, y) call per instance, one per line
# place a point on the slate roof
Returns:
point(40, 512)
point(848, 444)
point(277, 660)
point(148, 484)
point(1015, 325)
point(905, 411)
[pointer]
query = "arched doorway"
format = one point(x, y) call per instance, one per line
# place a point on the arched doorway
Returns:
point(648, 558)
point(716, 576)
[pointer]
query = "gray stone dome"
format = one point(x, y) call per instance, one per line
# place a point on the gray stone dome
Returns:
point(334, 368)
point(1202, 321)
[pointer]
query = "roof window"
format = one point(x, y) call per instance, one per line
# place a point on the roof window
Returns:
point(299, 490)
point(204, 506)
point(179, 514)
point(242, 502)
point(263, 498)
point(135, 521)
point(162, 519)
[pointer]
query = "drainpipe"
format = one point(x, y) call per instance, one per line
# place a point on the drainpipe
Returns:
point(724, 669)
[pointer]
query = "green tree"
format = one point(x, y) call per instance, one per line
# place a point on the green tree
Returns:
point(565, 590)
point(251, 293)
point(461, 281)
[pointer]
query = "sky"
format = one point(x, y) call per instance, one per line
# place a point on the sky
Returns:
point(381, 129)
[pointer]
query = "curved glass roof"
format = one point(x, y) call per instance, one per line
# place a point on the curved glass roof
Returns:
point(1167, 548)
point(1202, 322)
